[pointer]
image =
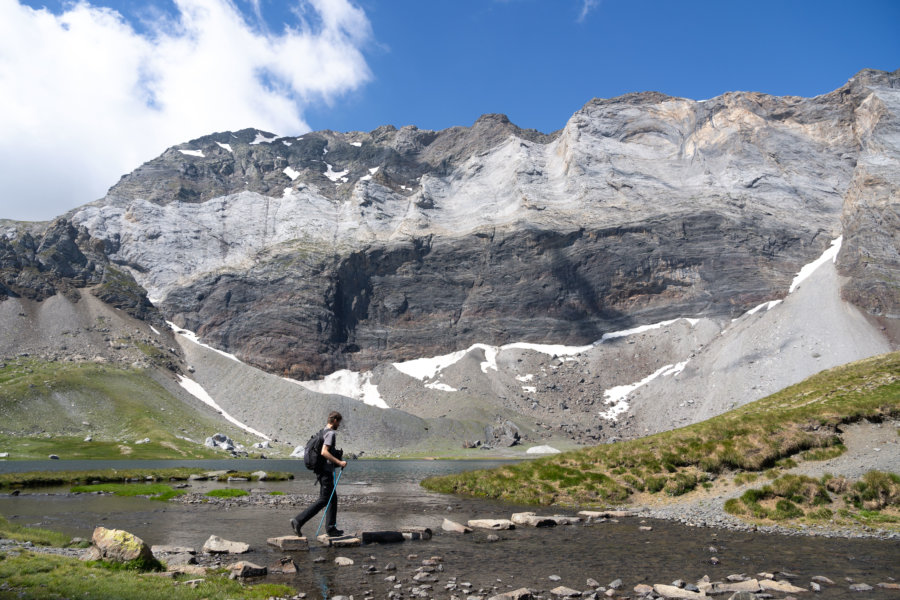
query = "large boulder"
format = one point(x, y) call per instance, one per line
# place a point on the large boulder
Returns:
point(116, 545)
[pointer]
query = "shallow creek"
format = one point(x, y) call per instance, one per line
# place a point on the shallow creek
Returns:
point(384, 495)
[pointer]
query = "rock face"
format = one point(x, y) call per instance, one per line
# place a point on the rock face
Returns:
point(306, 255)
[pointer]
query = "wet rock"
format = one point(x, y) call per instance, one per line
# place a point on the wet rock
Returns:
point(217, 545)
point(454, 527)
point(889, 586)
point(592, 583)
point(615, 584)
point(780, 586)
point(816, 587)
point(860, 587)
point(288, 566)
point(289, 542)
point(493, 538)
point(605, 514)
point(247, 569)
point(743, 596)
point(670, 591)
point(343, 541)
point(343, 561)
point(751, 585)
point(381, 537)
point(822, 579)
point(495, 524)
point(519, 594)
point(416, 533)
point(565, 592)
point(642, 589)
point(554, 578)
point(533, 520)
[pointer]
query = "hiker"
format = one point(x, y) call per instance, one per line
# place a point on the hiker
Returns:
point(324, 470)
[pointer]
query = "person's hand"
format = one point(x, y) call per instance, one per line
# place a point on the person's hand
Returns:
point(343, 463)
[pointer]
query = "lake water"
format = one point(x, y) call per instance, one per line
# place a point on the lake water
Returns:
point(383, 495)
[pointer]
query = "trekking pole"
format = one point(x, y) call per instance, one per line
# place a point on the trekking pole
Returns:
point(325, 512)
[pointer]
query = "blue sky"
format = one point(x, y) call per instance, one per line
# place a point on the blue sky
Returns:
point(89, 91)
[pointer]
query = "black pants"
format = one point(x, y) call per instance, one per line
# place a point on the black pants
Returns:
point(326, 486)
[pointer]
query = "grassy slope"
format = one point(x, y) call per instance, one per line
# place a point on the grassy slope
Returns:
point(43, 408)
point(752, 438)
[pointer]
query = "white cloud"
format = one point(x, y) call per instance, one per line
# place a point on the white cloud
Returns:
point(586, 7)
point(85, 98)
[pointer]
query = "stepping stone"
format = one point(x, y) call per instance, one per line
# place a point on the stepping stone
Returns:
point(416, 533)
point(530, 518)
point(495, 524)
point(381, 537)
point(289, 542)
point(780, 586)
point(342, 541)
point(217, 545)
point(247, 569)
point(605, 514)
point(519, 594)
point(454, 527)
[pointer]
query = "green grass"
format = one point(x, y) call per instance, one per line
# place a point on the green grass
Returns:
point(874, 500)
point(227, 493)
point(138, 477)
point(155, 491)
point(38, 537)
point(756, 438)
point(44, 407)
point(31, 576)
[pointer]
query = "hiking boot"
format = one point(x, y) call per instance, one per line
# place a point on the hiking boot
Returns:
point(334, 532)
point(296, 527)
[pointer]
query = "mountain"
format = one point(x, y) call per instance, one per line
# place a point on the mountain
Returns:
point(351, 254)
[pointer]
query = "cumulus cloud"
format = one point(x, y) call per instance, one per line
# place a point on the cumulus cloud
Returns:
point(86, 98)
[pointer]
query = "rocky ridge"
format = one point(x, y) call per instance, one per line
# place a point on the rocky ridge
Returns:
point(365, 251)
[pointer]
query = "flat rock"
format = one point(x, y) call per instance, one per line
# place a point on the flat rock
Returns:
point(343, 561)
point(289, 542)
point(751, 585)
point(217, 545)
point(247, 569)
point(643, 589)
point(161, 549)
point(534, 520)
point(519, 594)
point(860, 587)
point(780, 586)
point(670, 591)
point(605, 514)
point(495, 524)
point(342, 541)
point(565, 592)
point(454, 527)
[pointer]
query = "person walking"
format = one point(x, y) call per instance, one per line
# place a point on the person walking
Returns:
point(330, 458)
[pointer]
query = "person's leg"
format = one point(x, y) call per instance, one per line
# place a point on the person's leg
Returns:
point(331, 514)
point(326, 484)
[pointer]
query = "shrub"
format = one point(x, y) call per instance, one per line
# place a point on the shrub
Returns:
point(654, 484)
point(734, 506)
point(875, 491)
point(681, 483)
point(785, 509)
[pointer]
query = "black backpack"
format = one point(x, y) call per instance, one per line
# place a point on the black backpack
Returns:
point(312, 453)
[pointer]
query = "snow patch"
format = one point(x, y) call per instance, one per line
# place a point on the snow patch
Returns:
point(196, 390)
point(765, 305)
point(154, 330)
point(225, 146)
point(357, 144)
point(807, 270)
point(441, 386)
point(190, 335)
point(198, 153)
point(373, 170)
point(529, 389)
point(285, 142)
point(348, 383)
point(617, 396)
point(291, 173)
point(542, 450)
point(643, 328)
point(335, 176)
point(525, 378)
point(262, 139)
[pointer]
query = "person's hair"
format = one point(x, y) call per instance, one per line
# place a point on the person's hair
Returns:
point(334, 417)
